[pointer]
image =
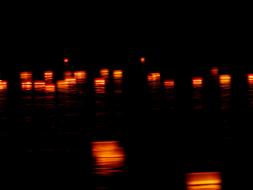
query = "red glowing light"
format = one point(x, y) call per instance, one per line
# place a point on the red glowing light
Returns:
point(142, 59)
point(66, 60)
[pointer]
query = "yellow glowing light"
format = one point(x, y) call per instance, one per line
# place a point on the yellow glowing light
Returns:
point(250, 78)
point(204, 180)
point(214, 71)
point(80, 75)
point(225, 79)
point(104, 73)
point(48, 75)
point(142, 59)
point(117, 74)
point(99, 82)
point(197, 81)
point(26, 86)
point(152, 77)
point(50, 88)
point(109, 157)
point(26, 76)
point(169, 83)
point(39, 85)
point(3, 84)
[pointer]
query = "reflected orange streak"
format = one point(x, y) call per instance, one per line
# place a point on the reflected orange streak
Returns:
point(26, 76)
point(225, 79)
point(142, 59)
point(99, 82)
point(204, 178)
point(154, 77)
point(80, 75)
point(48, 75)
point(250, 78)
point(197, 81)
point(205, 187)
point(39, 85)
point(70, 81)
point(108, 155)
point(26, 85)
point(214, 71)
point(117, 74)
point(3, 85)
point(104, 72)
point(68, 74)
point(50, 88)
point(169, 83)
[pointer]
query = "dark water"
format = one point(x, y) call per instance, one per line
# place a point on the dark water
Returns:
point(122, 128)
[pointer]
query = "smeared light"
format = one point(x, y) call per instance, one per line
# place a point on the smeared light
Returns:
point(26, 76)
point(99, 85)
point(204, 180)
point(225, 79)
point(214, 71)
point(50, 88)
point(250, 78)
point(117, 74)
point(67, 74)
point(70, 81)
point(197, 82)
point(26, 86)
point(142, 60)
point(80, 75)
point(62, 85)
point(48, 76)
point(39, 85)
point(152, 77)
point(3, 85)
point(169, 83)
point(109, 157)
point(66, 60)
point(104, 73)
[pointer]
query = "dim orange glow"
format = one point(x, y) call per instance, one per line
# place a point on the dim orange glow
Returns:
point(39, 85)
point(214, 71)
point(117, 74)
point(27, 86)
point(152, 77)
point(66, 60)
point(204, 180)
point(142, 59)
point(250, 78)
point(80, 75)
point(50, 88)
point(62, 85)
point(104, 73)
point(68, 74)
point(225, 79)
point(197, 81)
point(48, 75)
point(3, 84)
point(26, 76)
point(109, 157)
point(169, 83)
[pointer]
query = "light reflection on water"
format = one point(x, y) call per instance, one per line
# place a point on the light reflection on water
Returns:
point(225, 91)
point(197, 84)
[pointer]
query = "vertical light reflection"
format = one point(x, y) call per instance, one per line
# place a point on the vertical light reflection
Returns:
point(50, 88)
point(117, 74)
point(3, 85)
point(225, 86)
point(104, 72)
point(109, 157)
point(169, 83)
point(80, 76)
point(250, 89)
point(26, 86)
point(26, 76)
point(39, 85)
point(197, 82)
point(99, 84)
point(204, 181)
point(117, 80)
point(48, 76)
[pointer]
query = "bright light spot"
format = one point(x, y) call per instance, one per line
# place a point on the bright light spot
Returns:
point(39, 85)
point(154, 77)
point(66, 60)
point(3, 84)
point(99, 85)
point(117, 74)
point(169, 83)
point(26, 86)
point(250, 78)
point(104, 73)
point(197, 82)
point(50, 88)
point(142, 59)
point(80, 75)
point(204, 180)
point(225, 79)
point(26, 76)
point(109, 157)
point(70, 81)
point(48, 76)
point(214, 71)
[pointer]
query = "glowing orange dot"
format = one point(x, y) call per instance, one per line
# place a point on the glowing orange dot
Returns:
point(66, 60)
point(142, 59)
point(197, 81)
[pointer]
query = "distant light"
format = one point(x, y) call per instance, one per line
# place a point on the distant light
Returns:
point(39, 85)
point(197, 81)
point(50, 88)
point(26, 76)
point(80, 75)
point(169, 83)
point(26, 86)
point(48, 76)
point(225, 79)
point(117, 74)
point(214, 71)
point(142, 59)
point(99, 82)
point(104, 72)
point(250, 78)
point(66, 60)
point(154, 77)
point(3, 84)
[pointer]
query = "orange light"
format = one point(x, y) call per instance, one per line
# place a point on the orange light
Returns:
point(117, 74)
point(204, 180)
point(152, 77)
point(48, 75)
point(70, 81)
point(3, 84)
point(27, 86)
point(68, 74)
point(197, 81)
point(99, 82)
point(142, 59)
point(169, 83)
point(250, 78)
point(62, 85)
point(214, 71)
point(104, 73)
point(66, 60)
point(99, 85)
point(109, 157)
point(80, 75)
point(50, 88)
point(39, 85)
point(225, 79)
point(26, 76)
